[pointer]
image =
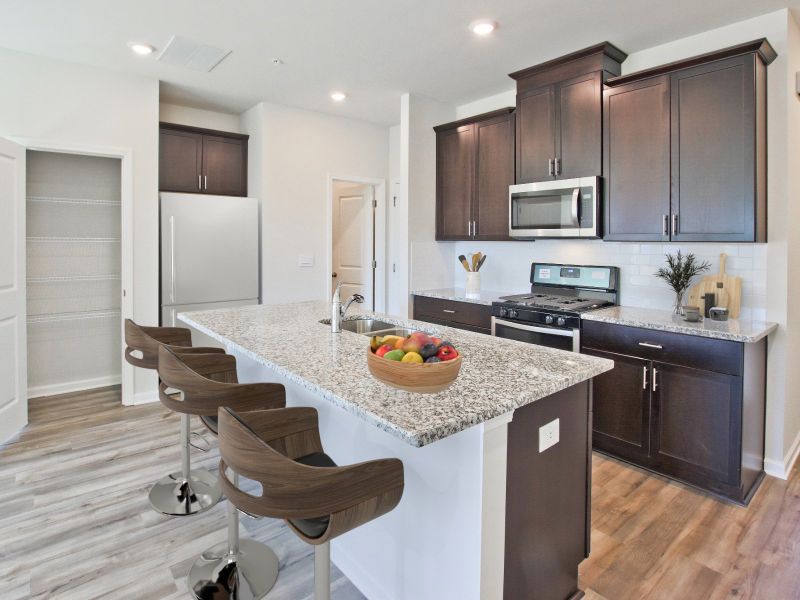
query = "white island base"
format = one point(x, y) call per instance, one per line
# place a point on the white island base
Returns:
point(447, 537)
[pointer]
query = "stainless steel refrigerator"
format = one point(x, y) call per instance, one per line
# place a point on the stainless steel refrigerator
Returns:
point(209, 253)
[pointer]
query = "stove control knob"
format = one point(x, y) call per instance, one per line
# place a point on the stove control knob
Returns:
point(503, 312)
point(512, 313)
point(548, 319)
point(561, 321)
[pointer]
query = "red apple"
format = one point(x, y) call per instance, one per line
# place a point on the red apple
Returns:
point(383, 349)
point(447, 353)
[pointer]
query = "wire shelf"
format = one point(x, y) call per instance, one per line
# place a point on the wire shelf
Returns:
point(74, 316)
point(57, 239)
point(64, 200)
point(66, 278)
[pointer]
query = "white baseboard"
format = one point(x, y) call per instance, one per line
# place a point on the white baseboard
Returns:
point(144, 398)
point(781, 469)
point(73, 386)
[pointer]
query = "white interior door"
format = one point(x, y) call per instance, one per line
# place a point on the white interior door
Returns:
point(13, 357)
point(353, 241)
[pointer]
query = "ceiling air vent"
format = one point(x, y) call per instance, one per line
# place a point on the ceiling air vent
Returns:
point(183, 52)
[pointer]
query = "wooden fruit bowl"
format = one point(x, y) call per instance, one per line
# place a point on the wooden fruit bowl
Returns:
point(414, 377)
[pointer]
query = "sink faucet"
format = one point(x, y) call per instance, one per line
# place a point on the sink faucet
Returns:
point(338, 311)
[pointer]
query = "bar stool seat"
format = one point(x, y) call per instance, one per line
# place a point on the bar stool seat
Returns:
point(188, 491)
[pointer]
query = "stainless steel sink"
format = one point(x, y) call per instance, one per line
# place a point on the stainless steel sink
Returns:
point(363, 326)
point(400, 331)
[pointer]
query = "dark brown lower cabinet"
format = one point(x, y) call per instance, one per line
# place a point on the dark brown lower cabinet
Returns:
point(452, 313)
point(686, 407)
point(621, 423)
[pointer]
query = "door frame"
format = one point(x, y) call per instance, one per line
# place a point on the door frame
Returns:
point(379, 233)
point(125, 156)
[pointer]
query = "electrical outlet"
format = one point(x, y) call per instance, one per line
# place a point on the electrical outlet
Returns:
point(305, 260)
point(548, 435)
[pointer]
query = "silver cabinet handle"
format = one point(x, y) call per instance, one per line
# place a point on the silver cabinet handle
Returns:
point(644, 377)
point(655, 383)
point(172, 258)
point(474, 228)
point(205, 182)
point(199, 182)
point(558, 166)
point(665, 225)
point(674, 224)
point(550, 168)
point(649, 345)
point(447, 310)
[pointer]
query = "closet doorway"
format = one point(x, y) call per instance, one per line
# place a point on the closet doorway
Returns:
point(76, 294)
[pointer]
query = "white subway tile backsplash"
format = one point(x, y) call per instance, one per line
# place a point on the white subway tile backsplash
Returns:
point(507, 267)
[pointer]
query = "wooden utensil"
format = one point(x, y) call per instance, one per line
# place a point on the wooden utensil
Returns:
point(480, 263)
point(464, 262)
point(475, 260)
point(727, 288)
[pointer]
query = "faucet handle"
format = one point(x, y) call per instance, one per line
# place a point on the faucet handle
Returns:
point(358, 298)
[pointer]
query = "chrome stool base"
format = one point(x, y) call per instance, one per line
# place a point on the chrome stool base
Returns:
point(177, 496)
point(246, 575)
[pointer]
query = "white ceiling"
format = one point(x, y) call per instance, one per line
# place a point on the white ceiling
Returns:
point(374, 50)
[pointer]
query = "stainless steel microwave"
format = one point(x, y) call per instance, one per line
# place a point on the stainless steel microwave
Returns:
point(566, 208)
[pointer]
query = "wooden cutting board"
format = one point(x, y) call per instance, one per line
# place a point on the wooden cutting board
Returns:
point(727, 288)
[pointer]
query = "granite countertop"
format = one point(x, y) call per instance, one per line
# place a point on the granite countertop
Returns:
point(736, 330)
point(497, 375)
point(460, 295)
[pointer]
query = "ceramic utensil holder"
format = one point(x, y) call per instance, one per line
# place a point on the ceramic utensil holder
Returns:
point(473, 284)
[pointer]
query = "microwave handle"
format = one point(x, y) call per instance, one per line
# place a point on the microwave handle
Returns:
point(576, 207)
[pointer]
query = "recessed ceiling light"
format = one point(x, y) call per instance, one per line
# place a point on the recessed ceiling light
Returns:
point(141, 49)
point(338, 96)
point(483, 27)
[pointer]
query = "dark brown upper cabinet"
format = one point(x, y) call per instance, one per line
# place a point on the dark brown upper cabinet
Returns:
point(686, 149)
point(202, 161)
point(560, 114)
point(474, 167)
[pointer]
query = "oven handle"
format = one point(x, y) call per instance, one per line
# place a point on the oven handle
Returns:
point(572, 333)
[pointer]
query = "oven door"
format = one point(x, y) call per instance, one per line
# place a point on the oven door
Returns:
point(564, 208)
point(563, 339)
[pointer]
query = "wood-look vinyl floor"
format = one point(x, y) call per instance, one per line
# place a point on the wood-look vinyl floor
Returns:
point(653, 539)
point(74, 518)
point(75, 522)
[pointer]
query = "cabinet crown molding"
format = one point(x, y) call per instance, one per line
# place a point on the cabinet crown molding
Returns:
point(470, 120)
point(604, 49)
point(760, 47)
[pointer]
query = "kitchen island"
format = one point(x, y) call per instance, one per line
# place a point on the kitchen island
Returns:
point(488, 511)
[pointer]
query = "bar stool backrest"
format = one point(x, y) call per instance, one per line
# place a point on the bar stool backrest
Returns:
point(207, 381)
point(262, 446)
point(147, 340)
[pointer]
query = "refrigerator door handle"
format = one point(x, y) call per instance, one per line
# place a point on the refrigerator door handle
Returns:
point(172, 258)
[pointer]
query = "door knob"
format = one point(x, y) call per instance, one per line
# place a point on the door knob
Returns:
point(334, 275)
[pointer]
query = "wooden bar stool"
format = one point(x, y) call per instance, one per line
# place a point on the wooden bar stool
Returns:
point(188, 491)
point(281, 449)
point(238, 569)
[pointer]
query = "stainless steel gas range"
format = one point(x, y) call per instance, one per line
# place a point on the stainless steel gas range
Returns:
point(550, 315)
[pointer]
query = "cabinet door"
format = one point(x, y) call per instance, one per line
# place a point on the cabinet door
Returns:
point(579, 147)
point(224, 166)
point(180, 159)
point(714, 154)
point(621, 398)
point(536, 134)
point(697, 425)
point(637, 161)
point(455, 182)
point(495, 172)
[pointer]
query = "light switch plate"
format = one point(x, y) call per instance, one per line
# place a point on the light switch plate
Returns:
point(305, 260)
point(548, 435)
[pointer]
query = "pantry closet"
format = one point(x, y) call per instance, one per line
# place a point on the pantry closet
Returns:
point(73, 272)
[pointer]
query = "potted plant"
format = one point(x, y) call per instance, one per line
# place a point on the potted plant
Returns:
point(678, 273)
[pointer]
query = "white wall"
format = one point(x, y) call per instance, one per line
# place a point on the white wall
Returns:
point(292, 154)
point(774, 266)
point(66, 103)
point(430, 263)
point(197, 117)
